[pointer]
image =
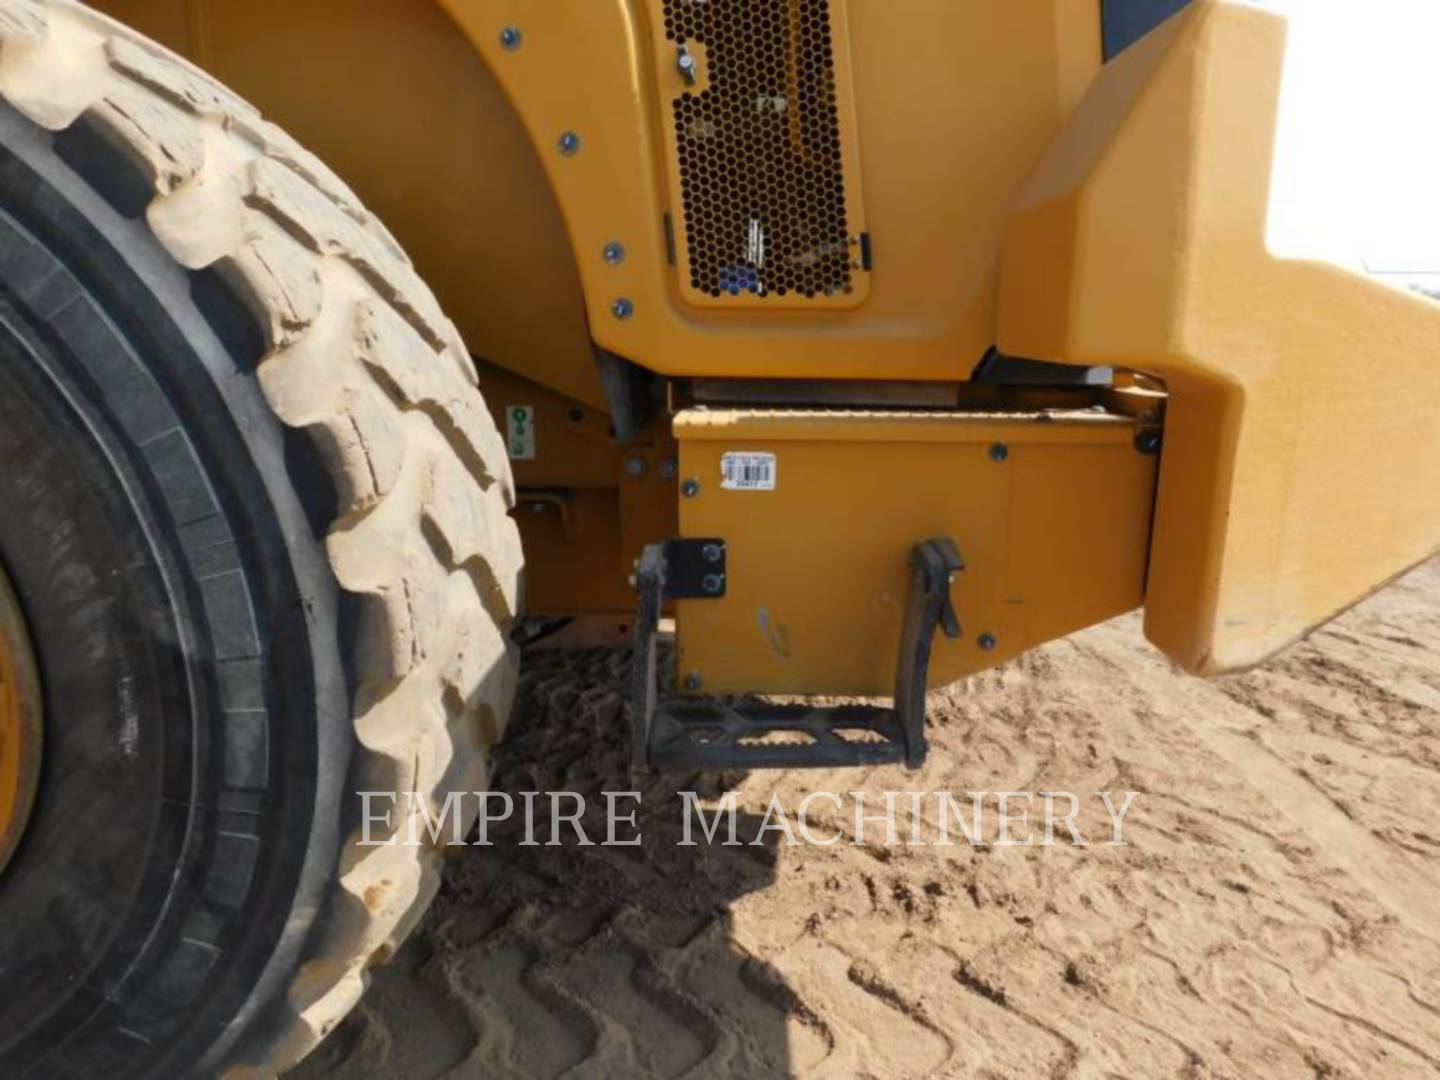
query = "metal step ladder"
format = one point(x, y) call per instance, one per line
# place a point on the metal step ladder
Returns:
point(708, 734)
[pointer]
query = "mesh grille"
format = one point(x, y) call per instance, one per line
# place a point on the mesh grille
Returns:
point(760, 158)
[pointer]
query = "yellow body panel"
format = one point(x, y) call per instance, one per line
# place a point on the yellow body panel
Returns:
point(1302, 465)
point(406, 103)
point(1054, 538)
point(956, 100)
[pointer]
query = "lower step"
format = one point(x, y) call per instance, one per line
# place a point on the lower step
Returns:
point(713, 735)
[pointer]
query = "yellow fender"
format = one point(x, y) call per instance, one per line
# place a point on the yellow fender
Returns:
point(1301, 466)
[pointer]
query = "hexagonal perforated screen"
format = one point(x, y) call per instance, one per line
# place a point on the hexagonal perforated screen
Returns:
point(760, 153)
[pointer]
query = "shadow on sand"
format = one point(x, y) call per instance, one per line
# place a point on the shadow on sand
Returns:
point(549, 961)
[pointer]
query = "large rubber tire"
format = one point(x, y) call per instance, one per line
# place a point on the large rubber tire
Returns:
point(257, 516)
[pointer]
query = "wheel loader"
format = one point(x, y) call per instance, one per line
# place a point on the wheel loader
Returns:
point(874, 344)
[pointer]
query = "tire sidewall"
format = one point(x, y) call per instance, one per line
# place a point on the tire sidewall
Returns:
point(185, 620)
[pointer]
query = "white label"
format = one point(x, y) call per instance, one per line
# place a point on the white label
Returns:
point(747, 472)
point(520, 431)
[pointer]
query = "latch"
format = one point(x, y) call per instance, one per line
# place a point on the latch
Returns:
point(688, 65)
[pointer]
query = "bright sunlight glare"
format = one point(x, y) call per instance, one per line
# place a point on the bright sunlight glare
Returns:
point(1357, 171)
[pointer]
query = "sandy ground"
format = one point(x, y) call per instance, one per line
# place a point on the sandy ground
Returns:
point(1276, 913)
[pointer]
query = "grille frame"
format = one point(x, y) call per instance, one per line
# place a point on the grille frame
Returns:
point(751, 172)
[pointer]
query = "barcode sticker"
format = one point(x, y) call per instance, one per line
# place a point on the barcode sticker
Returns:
point(747, 472)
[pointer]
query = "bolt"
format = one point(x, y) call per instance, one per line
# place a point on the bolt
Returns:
point(614, 253)
point(669, 468)
point(575, 415)
point(712, 552)
point(693, 681)
point(988, 642)
point(635, 467)
point(622, 309)
point(713, 583)
point(569, 143)
point(1148, 442)
point(510, 38)
point(999, 452)
point(690, 488)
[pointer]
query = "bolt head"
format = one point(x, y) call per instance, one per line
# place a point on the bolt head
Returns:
point(690, 488)
point(693, 681)
point(999, 452)
point(1149, 442)
point(614, 254)
point(989, 642)
point(669, 468)
point(713, 583)
point(569, 143)
point(623, 308)
point(635, 467)
point(713, 553)
point(511, 38)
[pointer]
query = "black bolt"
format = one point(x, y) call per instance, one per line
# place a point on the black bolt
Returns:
point(1149, 441)
point(988, 642)
point(999, 452)
point(693, 681)
point(510, 38)
point(712, 552)
point(569, 143)
point(713, 583)
point(690, 488)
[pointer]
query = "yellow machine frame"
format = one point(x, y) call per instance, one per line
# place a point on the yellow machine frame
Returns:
point(1141, 239)
point(1002, 77)
point(818, 568)
point(520, 151)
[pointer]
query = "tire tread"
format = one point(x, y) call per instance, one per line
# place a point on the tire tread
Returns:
point(360, 355)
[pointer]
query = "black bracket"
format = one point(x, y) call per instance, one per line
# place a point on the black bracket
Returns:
point(710, 734)
point(695, 569)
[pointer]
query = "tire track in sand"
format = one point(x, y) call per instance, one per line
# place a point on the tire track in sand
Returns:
point(1386, 874)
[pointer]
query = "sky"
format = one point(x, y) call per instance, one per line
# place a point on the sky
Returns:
point(1357, 171)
